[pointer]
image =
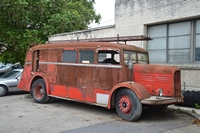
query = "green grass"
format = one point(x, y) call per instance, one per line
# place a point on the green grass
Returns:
point(197, 106)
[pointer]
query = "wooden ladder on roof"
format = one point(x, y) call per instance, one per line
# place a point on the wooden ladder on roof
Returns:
point(108, 39)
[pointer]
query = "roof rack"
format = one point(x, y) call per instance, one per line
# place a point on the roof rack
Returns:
point(107, 39)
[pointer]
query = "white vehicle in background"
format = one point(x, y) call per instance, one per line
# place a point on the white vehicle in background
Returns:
point(8, 67)
point(5, 69)
point(9, 81)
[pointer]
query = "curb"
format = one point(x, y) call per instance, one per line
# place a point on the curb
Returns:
point(191, 111)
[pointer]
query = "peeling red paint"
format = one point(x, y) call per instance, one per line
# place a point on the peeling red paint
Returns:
point(153, 77)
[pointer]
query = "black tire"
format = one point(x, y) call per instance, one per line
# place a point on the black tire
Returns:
point(39, 93)
point(197, 98)
point(3, 90)
point(157, 108)
point(191, 97)
point(186, 98)
point(127, 105)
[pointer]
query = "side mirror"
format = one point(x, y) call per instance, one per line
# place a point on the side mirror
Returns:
point(126, 62)
point(130, 64)
point(18, 78)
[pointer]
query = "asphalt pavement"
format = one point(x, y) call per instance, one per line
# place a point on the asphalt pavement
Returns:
point(19, 113)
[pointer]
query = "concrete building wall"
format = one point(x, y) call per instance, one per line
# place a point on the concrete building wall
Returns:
point(132, 17)
point(190, 79)
point(140, 12)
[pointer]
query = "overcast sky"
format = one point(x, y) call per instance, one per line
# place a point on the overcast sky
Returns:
point(106, 9)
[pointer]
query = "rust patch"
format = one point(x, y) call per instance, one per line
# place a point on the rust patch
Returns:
point(43, 68)
point(51, 73)
point(43, 55)
point(54, 55)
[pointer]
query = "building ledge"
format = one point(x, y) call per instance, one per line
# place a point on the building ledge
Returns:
point(83, 31)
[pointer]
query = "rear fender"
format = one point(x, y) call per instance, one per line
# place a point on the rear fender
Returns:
point(37, 76)
point(139, 90)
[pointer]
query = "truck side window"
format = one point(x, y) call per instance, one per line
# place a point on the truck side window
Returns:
point(130, 55)
point(86, 56)
point(69, 56)
point(142, 58)
point(135, 57)
point(108, 57)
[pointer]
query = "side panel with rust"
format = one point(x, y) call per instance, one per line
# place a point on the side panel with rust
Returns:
point(106, 78)
point(25, 79)
point(24, 83)
point(85, 82)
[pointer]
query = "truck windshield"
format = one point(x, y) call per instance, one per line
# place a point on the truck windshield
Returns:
point(136, 57)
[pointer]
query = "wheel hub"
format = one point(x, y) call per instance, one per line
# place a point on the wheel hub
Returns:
point(39, 91)
point(125, 104)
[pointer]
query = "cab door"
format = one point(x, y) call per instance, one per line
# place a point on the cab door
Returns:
point(108, 72)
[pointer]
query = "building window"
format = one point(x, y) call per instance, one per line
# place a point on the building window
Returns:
point(158, 45)
point(69, 56)
point(86, 56)
point(173, 42)
point(197, 41)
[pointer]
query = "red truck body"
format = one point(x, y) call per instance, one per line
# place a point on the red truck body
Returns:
point(100, 73)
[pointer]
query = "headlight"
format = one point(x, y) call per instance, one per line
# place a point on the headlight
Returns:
point(160, 92)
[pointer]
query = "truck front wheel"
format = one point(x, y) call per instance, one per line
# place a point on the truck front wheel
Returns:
point(127, 105)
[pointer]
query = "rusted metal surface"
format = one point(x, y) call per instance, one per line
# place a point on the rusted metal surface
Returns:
point(52, 71)
point(106, 78)
point(154, 77)
point(147, 68)
point(107, 39)
point(24, 82)
point(140, 90)
point(69, 45)
point(155, 100)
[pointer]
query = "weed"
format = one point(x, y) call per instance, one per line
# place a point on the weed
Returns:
point(197, 106)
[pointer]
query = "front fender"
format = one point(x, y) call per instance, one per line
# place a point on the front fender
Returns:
point(139, 90)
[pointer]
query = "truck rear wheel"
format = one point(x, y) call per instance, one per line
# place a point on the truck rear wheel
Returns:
point(127, 105)
point(39, 91)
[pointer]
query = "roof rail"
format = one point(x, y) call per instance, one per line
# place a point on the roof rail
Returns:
point(107, 39)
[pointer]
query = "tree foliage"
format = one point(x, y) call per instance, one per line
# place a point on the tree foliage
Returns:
point(23, 22)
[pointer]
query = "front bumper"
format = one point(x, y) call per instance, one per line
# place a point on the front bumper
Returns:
point(156, 100)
